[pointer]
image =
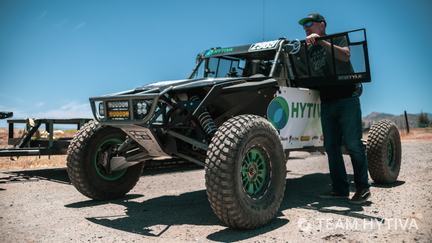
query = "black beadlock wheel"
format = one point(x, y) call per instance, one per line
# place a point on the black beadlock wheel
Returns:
point(245, 172)
point(384, 152)
point(84, 163)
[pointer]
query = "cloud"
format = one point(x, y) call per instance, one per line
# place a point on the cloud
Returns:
point(40, 104)
point(17, 113)
point(69, 110)
point(80, 25)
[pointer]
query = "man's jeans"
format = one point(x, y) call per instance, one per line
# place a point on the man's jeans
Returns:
point(342, 125)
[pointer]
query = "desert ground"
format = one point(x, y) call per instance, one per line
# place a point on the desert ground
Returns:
point(38, 204)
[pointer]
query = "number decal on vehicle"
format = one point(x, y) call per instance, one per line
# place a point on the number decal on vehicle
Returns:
point(263, 45)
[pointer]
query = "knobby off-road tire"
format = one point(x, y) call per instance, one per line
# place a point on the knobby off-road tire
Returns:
point(384, 152)
point(84, 170)
point(245, 172)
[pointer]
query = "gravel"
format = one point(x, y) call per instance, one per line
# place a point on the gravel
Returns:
point(171, 206)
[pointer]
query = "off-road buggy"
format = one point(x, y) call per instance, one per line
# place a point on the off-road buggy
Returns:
point(238, 115)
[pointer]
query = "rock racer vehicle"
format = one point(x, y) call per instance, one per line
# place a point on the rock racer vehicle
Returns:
point(238, 115)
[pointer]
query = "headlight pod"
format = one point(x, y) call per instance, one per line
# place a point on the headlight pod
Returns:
point(124, 109)
point(118, 105)
point(101, 109)
point(118, 110)
point(141, 108)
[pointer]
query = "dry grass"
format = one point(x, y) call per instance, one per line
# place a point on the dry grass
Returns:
point(32, 162)
point(417, 134)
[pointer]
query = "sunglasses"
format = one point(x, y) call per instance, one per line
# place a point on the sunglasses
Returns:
point(308, 24)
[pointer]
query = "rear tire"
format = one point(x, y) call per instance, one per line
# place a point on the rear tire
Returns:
point(83, 163)
point(384, 152)
point(245, 172)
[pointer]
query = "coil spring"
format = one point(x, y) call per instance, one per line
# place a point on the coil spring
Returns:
point(207, 123)
point(205, 120)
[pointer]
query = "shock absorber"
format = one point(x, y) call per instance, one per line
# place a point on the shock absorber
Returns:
point(206, 121)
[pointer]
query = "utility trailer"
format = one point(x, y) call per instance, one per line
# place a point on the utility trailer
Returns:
point(30, 143)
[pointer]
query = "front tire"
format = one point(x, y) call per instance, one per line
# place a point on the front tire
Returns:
point(245, 172)
point(85, 155)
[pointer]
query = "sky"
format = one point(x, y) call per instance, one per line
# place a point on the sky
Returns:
point(54, 55)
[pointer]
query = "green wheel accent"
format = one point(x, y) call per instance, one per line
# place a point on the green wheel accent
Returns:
point(390, 153)
point(100, 170)
point(254, 171)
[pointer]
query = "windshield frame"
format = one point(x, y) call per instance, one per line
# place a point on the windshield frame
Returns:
point(207, 72)
point(237, 54)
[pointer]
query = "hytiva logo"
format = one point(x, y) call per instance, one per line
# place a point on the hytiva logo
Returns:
point(305, 110)
point(212, 52)
point(280, 111)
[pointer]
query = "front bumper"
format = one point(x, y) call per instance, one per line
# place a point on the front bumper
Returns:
point(131, 97)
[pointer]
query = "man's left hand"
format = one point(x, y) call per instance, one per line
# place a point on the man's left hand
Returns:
point(311, 39)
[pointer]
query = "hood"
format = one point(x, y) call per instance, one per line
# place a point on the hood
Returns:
point(187, 83)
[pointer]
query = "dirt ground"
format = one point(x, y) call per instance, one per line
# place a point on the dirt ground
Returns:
point(170, 205)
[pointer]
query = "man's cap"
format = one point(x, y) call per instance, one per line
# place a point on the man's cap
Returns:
point(316, 17)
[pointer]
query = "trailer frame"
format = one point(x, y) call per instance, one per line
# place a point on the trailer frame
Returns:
point(29, 145)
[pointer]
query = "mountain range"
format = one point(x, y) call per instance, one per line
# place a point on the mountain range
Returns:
point(399, 120)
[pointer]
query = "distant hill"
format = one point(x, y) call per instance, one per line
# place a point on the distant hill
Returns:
point(399, 120)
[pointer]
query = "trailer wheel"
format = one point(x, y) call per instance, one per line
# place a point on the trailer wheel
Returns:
point(384, 152)
point(245, 172)
point(86, 153)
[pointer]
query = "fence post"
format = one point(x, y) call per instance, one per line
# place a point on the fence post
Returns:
point(406, 121)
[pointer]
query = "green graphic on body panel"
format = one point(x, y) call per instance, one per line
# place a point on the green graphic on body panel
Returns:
point(278, 112)
point(212, 52)
point(296, 114)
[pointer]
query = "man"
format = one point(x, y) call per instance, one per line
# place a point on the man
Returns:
point(340, 111)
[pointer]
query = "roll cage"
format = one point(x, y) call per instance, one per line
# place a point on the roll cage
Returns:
point(290, 66)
